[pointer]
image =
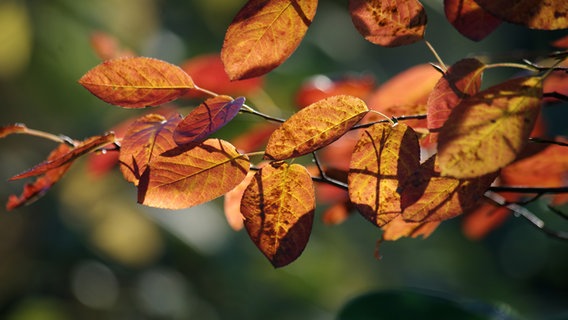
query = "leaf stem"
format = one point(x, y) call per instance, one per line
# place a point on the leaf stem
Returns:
point(248, 109)
point(436, 55)
point(393, 119)
point(511, 65)
point(208, 92)
point(50, 136)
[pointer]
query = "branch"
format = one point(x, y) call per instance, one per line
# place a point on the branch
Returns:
point(556, 95)
point(542, 140)
point(250, 110)
point(521, 189)
point(395, 119)
point(324, 177)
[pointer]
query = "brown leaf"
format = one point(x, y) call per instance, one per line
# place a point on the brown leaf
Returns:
point(33, 191)
point(279, 207)
point(399, 228)
point(389, 23)
point(428, 196)
point(470, 19)
point(383, 159)
point(487, 131)
point(534, 14)
point(136, 82)
point(264, 34)
point(315, 126)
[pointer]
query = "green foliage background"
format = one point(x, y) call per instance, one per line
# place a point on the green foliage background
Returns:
point(88, 251)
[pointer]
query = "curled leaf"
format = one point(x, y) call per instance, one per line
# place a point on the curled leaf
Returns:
point(136, 82)
point(278, 206)
point(315, 126)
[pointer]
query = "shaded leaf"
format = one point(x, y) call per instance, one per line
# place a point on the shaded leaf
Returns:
point(208, 117)
point(264, 34)
point(487, 131)
point(534, 14)
point(389, 23)
point(255, 138)
point(108, 47)
point(485, 217)
point(556, 82)
point(189, 177)
point(320, 87)
point(336, 214)
point(462, 80)
point(383, 159)
point(32, 191)
point(83, 147)
point(315, 126)
point(428, 196)
point(232, 203)
point(278, 207)
point(208, 72)
point(11, 129)
point(399, 228)
point(561, 43)
point(470, 19)
point(136, 82)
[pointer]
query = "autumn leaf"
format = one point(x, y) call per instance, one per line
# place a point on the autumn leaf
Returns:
point(136, 82)
point(107, 47)
point(80, 149)
point(11, 129)
point(232, 203)
point(255, 137)
point(383, 159)
point(264, 34)
point(337, 213)
point(534, 14)
point(428, 196)
point(208, 117)
point(389, 23)
point(182, 178)
point(320, 87)
point(485, 217)
point(470, 19)
point(33, 191)
point(315, 126)
point(278, 207)
point(399, 228)
point(487, 131)
point(462, 80)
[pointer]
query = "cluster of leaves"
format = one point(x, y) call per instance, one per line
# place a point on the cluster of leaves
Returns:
point(473, 136)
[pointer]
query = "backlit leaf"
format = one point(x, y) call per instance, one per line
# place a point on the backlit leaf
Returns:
point(535, 14)
point(136, 82)
point(321, 87)
point(11, 129)
point(32, 191)
point(182, 178)
point(207, 118)
point(487, 131)
point(383, 159)
point(278, 207)
point(428, 196)
point(399, 228)
point(232, 203)
point(463, 79)
point(389, 23)
point(264, 34)
point(470, 19)
point(80, 149)
point(315, 126)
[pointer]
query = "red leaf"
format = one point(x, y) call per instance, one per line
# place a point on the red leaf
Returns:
point(470, 19)
point(336, 213)
point(534, 14)
point(136, 82)
point(107, 47)
point(32, 191)
point(389, 23)
point(321, 87)
point(485, 217)
point(207, 118)
point(255, 138)
point(11, 129)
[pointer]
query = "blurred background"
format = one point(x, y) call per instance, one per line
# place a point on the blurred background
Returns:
point(87, 251)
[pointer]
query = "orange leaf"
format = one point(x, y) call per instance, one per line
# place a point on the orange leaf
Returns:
point(32, 191)
point(136, 82)
point(107, 47)
point(315, 126)
point(207, 118)
point(232, 203)
point(321, 87)
point(255, 138)
point(399, 228)
point(336, 213)
point(264, 34)
point(534, 14)
point(487, 131)
point(556, 82)
point(278, 207)
point(207, 71)
point(477, 223)
point(461, 80)
point(54, 162)
point(383, 159)
point(470, 19)
point(11, 129)
point(561, 43)
point(389, 23)
point(427, 196)
point(182, 178)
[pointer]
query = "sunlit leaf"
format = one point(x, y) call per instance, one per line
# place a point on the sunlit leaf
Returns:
point(462, 80)
point(383, 159)
point(389, 23)
point(32, 191)
point(208, 117)
point(182, 178)
point(428, 196)
point(487, 131)
point(11, 129)
point(399, 228)
point(278, 207)
point(83, 147)
point(470, 19)
point(321, 87)
point(535, 14)
point(232, 203)
point(264, 34)
point(136, 82)
point(315, 126)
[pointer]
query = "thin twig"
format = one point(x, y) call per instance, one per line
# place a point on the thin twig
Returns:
point(558, 212)
point(556, 95)
point(541, 140)
point(395, 119)
point(248, 109)
point(522, 189)
point(324, 177)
